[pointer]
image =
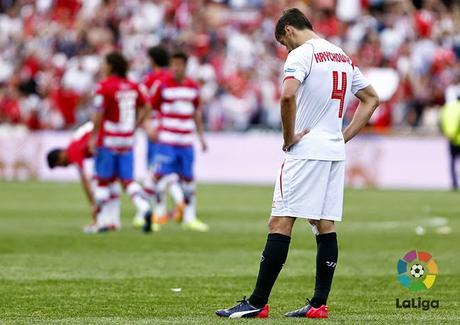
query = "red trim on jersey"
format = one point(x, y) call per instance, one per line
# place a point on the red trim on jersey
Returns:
point(182, 99)
point(179, 116)
point(173, 130)
point(281, 179)
point(288, 77)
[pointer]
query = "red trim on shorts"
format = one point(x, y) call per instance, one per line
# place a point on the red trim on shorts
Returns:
point(281, 179)
point(288, 77)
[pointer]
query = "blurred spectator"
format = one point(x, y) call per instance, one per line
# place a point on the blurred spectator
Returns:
point(50, 54)
point(450, 125)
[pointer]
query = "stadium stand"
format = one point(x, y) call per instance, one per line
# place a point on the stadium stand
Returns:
point(50, 53)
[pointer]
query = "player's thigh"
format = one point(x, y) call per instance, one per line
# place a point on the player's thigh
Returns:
point(301, 188)
point(164, 160)
point(186, 159)
point(104, 164)
point(333, 201)
point(125, 166)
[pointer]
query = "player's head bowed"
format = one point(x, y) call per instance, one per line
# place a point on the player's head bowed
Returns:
point(289, 27)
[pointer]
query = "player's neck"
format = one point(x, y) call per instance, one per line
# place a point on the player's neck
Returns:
point(307, 35)
point(180, 79)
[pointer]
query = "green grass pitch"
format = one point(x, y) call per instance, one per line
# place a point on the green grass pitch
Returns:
point(52, 273)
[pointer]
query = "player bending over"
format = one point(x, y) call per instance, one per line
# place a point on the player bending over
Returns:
point(159, 59)
point(120, 109)
point(75, 154)
point(319, 79)
point(177, 99)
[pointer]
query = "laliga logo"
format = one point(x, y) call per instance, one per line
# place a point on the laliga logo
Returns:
point(417, 271)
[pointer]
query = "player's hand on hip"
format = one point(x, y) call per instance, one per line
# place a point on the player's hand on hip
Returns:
point(92, 146)
point(287, 145)
point(152, 134)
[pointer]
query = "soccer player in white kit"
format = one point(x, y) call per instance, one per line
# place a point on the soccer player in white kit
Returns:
point(319, 80)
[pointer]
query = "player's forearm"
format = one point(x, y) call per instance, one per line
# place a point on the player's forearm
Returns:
point(360, 119)
point(97, 121)
point(288, 112)
point(142, 116)
point(87, 187)
point(198, 118)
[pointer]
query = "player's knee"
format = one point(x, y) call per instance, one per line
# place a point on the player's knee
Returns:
point(325, 226)
point(280, 225)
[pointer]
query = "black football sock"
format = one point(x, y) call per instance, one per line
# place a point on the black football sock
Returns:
point(271, 263)
point(326, 260)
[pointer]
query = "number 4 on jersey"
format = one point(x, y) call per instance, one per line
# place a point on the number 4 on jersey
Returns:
point(339, 93)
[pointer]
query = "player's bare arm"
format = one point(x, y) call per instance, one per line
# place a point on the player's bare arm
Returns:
point(142, 114)
point(97, 122)
point(369, 101)
point(86, 184)
point(151, 132)
point(198, 119)
point(288, 113)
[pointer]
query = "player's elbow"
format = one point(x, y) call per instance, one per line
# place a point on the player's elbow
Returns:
point(374, 101)
point(287, 98)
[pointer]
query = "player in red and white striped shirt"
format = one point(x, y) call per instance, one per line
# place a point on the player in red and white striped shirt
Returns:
point(159, 59)
point(177, 100)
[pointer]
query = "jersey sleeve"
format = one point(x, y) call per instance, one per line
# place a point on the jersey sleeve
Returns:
point(298, 63)
point(156, 98)
point(359, 81)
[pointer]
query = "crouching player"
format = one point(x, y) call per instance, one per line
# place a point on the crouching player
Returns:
point(75, 154)
point(177, 99)
point(120, 109)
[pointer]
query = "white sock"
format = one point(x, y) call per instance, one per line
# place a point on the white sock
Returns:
point(190, 204)
point(134, 190)
point(149, 187)
point(160, 203)
point(102, 195)
point(113, 206)
point(175, 190)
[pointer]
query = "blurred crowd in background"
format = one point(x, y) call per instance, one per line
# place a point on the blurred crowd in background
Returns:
point(50, 54)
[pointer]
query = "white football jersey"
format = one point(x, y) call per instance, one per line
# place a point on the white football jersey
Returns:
point(327, 80)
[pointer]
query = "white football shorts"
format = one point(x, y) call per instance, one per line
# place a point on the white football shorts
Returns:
point(311, 189)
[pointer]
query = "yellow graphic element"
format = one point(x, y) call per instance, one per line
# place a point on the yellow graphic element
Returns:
point(429, 281)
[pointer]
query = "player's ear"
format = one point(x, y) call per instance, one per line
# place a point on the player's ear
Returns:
point(288, 30)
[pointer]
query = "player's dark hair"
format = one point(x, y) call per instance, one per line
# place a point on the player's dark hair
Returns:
point(117, 63)
point(53, 157)
point(159, 55)
point(180, 55)
point(292, 17)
